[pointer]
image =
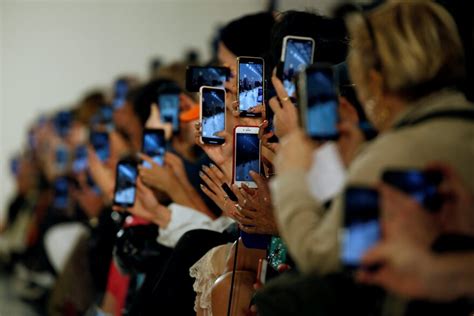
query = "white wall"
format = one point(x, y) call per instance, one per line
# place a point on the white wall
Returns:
point(52, 51)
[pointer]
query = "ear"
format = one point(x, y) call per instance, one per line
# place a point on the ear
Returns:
point(376, 84)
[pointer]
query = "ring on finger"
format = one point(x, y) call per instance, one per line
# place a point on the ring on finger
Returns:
point(238, 207)
point(285, 99)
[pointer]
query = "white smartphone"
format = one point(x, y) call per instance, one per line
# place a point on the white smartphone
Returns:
point(250, 87)
point(297, 53)
point(246, 155)
point(212, 114)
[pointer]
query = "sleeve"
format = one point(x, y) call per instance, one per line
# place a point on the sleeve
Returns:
point(308, 229)
point(184, 219)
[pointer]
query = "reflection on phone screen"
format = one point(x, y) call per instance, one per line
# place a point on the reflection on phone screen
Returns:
point(247, 156)
point(321, 114)
point(250, 85)
point(154, 146)
point(213, 112)
point(298, 54)
point(361, 225)
point(126, 184)
point(169, 109)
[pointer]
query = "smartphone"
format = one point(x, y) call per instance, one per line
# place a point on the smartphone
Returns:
point(80, 159)
point(361, 229)
point(120, 93)
point(15, 166)
point(212, 114)
point(197, 76)
point(61, 193)
point(100, 142)
point(61, 158)
point(318, 102)
point(169, 109)
point(62, 123)
point(265, 271)
point(297, 53)
point(250, 88)
point(246, 155)
point(125, 183)
point(421, 185)
point(154, 145)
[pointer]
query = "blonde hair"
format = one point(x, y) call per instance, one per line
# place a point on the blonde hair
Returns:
point(414, 45)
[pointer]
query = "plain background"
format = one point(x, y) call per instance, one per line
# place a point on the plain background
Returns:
point(53, 51)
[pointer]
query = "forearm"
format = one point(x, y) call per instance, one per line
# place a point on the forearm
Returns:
point(310, 234)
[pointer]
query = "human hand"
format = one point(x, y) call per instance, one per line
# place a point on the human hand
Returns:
point(89, 201)
point(157, 177)
point(218, 153)
point(264, 137)
point(255, 209)
point(285, 117)
point(101, 175)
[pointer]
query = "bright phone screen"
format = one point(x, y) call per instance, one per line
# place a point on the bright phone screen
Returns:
point(126, 184)
point(213, 112)
point(154, 145)
point(321, 114)
point(250, 85)
point(298, 54)
point(246, 156)
point(169, 109)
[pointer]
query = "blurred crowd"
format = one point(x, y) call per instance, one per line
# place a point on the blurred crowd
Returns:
point(377, 220)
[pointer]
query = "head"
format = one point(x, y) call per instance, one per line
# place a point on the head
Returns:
point(402, 51)
point(246, 36)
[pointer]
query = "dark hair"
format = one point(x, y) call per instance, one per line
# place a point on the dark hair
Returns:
point(144, 96)
point(330, 36)
point(249, 35)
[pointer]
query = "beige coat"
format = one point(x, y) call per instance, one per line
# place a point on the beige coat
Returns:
point(311, 232)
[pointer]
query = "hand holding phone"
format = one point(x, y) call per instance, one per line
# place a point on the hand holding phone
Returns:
point(212, 114)
point(125, 183)
point(246, 155)
point(101, 144)
point(251, 85)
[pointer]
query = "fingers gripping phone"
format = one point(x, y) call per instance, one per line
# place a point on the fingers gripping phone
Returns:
point(246, 155)
point(154, 146)
point(212, 114)
point(125, 183)
point(318, 102)
point(297, 52)
point(100, 142)
point(250, 78)
point(197, 76)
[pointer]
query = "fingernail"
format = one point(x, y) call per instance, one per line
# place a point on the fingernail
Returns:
point(201, 174)
point(212, 165)
point(202, 186)
point(252, 172)
point(205, 168)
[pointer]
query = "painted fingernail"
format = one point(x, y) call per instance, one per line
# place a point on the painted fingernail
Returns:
point(201, 174)
point(212, 165)
point(202, 186)
point(205, 168)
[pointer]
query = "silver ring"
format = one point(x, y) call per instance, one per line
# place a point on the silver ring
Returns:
point(226, 197)
point(245, 202)
point(238, 207)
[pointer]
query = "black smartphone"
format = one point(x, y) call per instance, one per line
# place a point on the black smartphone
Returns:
point(80, 159)
point(250, 78)
point(62, 158)
point(120, 93)
point(361, 229)
point(61, 193)
point(198, 76)
point(318, 102)
point(62, 123)
point(126, 183)
point(212, 114)
point(169, 109)
point(246, 155)
point(421, 185)
point(297, 53)
point(100, 142)
point(154, 145)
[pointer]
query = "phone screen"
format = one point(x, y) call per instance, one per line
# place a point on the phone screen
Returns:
point(62, 157)
point(100, 142)
point(213, 114)
point(154, 145)
point(169, 109)
point(298, 54)
point(322, 104)
point(62, 123)
point(361, 224)
point(15, 166)
point(196, 77)
point(120, 94)
point(125, 184)
point(247, 156)
point(421, 185)
point(80, 159)
point(61, 193)
point(250, 85)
